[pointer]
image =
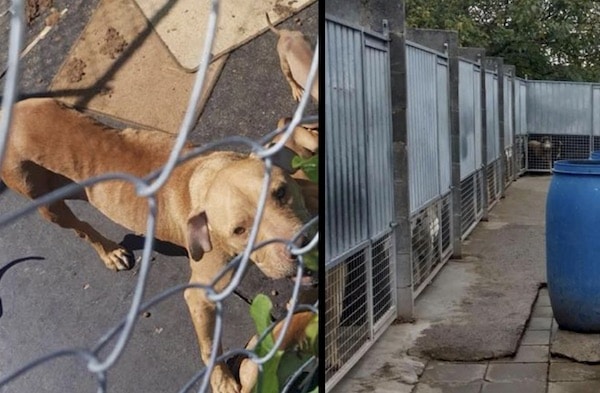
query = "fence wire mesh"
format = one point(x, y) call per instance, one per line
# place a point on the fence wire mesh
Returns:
point(147, 187)
point(544, 149)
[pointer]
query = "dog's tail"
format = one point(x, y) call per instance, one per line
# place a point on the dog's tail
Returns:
point(271, 27)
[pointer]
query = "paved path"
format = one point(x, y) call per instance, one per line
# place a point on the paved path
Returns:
point(396, 362)
point(531, 370)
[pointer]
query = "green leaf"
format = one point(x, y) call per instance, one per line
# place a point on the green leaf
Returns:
point(290, 363)
point(310, 166)
point(312, 335)
point(311, 260)
point(267, 380)
point(260, 310)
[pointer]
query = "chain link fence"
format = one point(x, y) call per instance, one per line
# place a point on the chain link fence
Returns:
point(147, 187)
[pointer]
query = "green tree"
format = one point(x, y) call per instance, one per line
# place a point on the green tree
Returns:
point(544, 39)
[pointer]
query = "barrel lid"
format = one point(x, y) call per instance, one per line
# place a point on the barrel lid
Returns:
point(577, 167)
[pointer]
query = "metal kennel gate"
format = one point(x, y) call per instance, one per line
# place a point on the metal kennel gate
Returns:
point(360, 250)
point(494, 159)
point(520, 96)
point(429, 162)
point(509, 140)
point(470, 130)
point(563, 122)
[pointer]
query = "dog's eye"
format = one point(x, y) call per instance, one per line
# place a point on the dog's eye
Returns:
point(239, 230)
point(280, 193)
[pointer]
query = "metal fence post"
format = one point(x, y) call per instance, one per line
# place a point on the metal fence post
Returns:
point(512, 70)
point(484, 135)
point(455, 144)
point(499, 64)
point(405, 302)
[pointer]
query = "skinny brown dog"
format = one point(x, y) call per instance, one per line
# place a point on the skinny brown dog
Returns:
point(295, 56)
point(203, 207)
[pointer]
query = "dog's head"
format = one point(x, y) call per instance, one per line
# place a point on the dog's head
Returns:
point(224, 216)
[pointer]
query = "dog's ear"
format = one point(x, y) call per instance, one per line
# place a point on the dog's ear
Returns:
point(198, 237)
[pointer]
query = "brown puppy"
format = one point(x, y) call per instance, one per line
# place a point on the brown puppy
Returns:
point(303, 142)
point(295, 56)
point(204, 206)
point(293, 337)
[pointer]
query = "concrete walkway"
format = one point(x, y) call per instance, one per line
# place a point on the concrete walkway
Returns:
point(396, 364)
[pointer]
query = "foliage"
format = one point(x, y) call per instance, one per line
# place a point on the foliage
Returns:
point(283, 364)
point(544, 39)
point(310, 166)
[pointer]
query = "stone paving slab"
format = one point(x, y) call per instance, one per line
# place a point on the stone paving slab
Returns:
point(540, 323)
point(574, 387)
point(542, 311)
point(572, 371)
point(528, 354)
point(516, 372)
point(473, 387)
point(453, 372)
point(536, 337)
point(514, 387)
point(577, 346)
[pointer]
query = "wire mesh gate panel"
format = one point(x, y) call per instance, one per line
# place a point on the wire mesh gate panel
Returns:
point(509, 149)
point(494, 157)
point(428, 161)
point(520, 96)
point(431, 238)
point(562, 118)
point(469, 108)
point(471, 191)
point(360, 250)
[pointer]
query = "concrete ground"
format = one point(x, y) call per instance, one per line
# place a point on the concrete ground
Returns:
point(404, 361)
point(54, 291)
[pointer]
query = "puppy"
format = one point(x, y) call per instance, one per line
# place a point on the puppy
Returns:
point(295, 56)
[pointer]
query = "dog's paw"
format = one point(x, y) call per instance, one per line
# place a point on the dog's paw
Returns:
point(119, 259)
point(222, 381)
point(297, 92)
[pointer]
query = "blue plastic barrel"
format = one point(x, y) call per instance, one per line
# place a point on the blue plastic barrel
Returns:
point(595, 155)
point(573, 244)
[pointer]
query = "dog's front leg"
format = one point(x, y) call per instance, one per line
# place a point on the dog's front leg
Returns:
point(202, 311)
point(297, 90)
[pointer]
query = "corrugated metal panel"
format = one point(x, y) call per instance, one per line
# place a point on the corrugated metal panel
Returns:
point(379, 130)
point(492, 121)
point(443, 115)
point(518, 109)
point(345, 173)
point(508, 111)
point(523, 106)
point(466, 113)
point(477, 114)
point(596, 110)
point(561, 108)
point(423, 164)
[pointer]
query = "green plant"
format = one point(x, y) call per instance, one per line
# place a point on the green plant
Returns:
point(284, 363)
